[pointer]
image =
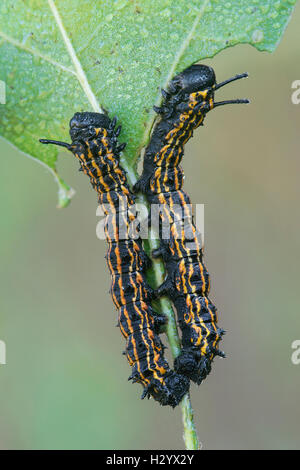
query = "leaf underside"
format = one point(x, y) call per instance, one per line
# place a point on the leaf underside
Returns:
point(58, 57)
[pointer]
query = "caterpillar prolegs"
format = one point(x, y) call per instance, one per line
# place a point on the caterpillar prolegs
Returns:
point(190, 96)
point(95, 145)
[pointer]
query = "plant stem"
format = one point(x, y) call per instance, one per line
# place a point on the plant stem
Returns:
point(190, 433)
point(156, 277)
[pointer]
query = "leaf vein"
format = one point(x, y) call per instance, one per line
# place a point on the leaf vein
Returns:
point(82, 78)
point(34, 52)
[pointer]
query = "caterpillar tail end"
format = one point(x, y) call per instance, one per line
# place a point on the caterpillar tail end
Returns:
point(196, 370)
point(173, 391)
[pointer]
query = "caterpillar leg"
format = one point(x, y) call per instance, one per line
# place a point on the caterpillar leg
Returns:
point(159, 322)
point(166, 288)
point(146, 260)
point(141, 185)
point(158, 252)
point(161, 252)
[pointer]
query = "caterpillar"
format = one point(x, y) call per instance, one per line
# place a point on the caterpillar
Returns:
point(95, 145)
point(189, 97)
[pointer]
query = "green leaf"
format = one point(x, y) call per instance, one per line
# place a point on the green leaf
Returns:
point(62, 56)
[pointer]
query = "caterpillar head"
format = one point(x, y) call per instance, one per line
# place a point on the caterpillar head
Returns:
point(196, 83)
point(194, 78)
point(85, 125)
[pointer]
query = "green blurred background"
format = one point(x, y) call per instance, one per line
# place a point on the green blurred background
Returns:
point(65, 381)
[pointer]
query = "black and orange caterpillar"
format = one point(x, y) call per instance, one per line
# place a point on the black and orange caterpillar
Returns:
point(190, 95)
point(95, 145)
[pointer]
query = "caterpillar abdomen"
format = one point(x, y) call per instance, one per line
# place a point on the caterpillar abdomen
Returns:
point(131, 287)
point(126, 256)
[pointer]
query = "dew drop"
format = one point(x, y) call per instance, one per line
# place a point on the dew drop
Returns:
point(121, 5)
point(174, 36)
point(166, 12)
point(109, 17)
point(18, 129)
point(257, 36)
point(264, 8)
